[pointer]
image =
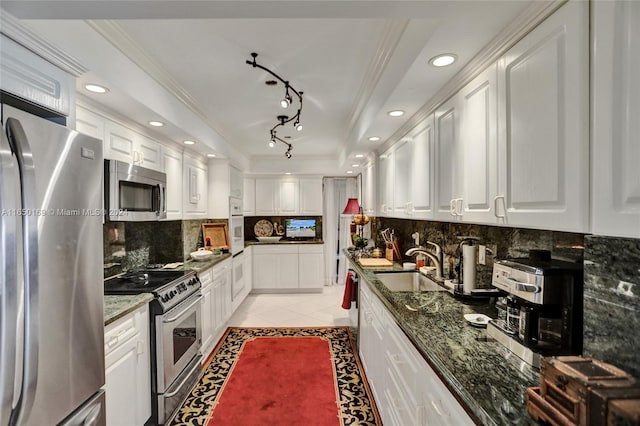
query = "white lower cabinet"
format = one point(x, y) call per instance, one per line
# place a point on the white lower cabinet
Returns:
point(127, 374)
point(216, 304)
point(287, 267)
point(406, 389)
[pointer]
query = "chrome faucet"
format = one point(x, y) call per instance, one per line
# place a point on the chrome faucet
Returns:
point(434, 258)
point(438, 251)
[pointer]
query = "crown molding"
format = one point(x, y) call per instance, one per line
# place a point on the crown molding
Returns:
point(23, 35)
point(122, 41)
point(507, 38)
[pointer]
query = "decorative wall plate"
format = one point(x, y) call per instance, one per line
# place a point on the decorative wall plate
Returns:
point(263, 228)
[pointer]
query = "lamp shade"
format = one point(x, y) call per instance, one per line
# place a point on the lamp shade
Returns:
point(352, 207)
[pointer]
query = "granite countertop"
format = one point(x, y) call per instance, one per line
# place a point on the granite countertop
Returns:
point(192, 265)
point(489, 381)
point(115, 307)
point(260, 243)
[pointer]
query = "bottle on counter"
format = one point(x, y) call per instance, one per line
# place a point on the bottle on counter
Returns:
point(421, 260)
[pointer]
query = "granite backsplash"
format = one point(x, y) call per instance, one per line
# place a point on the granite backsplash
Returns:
point(130, 245)
point(502, 242)
point(249, 223)
point(612, 301)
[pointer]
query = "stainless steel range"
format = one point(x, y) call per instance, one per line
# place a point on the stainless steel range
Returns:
point(175, 333)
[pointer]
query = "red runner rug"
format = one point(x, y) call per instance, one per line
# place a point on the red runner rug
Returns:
point(281, 376)
point(280, 381)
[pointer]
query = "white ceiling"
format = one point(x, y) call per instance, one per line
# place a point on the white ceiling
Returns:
point(354, 61)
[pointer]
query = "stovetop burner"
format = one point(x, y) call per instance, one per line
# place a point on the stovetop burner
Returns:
point(143, 281)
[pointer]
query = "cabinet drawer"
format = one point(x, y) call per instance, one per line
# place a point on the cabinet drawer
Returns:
point(310, 248)
point(276, 249)
point(220, 269)
point(402, 411)
point(125, 329)
point(206, 277)
point(403, 358)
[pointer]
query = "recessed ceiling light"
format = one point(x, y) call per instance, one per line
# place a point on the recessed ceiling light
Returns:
point(96, 88)
point(359, 155)
point(349, 172)
point(187, 142)
point(443, 60)
point(396, 113)
point(211, 155)
point(374, 138)
point(355, 165)
point(156, 123)
point(287, 173)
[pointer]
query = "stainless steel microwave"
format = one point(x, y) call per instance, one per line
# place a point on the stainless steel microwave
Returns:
point(134, 193)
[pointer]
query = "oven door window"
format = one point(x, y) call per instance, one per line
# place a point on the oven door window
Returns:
point(184, 336)
point(138, 197)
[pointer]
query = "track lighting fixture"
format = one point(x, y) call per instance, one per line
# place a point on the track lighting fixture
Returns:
point(286, 101)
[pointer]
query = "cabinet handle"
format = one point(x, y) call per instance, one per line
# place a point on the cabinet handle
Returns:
point(495, 207)
point(141, 157)
point(452, 207)
point(140, 347)
point(455, 207)
point(396, 359)
point(459, 207)
point(441, 413)
point(113, 341)
point(409, 208)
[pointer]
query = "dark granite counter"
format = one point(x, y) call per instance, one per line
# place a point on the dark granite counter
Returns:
point(488, 380)
point(260, 243)
point(115, 307)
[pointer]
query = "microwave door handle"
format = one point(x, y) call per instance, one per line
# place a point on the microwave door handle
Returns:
point(163, 194)
point(24, 155)
point(9, 199)
point(158, 209)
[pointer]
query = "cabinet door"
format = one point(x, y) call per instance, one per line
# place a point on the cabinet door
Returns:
point(386, 180)
point(311, 197)
point(422, 147)
point(249, 197)
point(89, 123)
point(545, 145)
point(288, 197)
point(265, 271)
point(266, 190)
point(195, 189)
point(448, 164)
point(173, 169)
point(615, 123)
point(119, 143)
point(311, 266)
point(369, 189)
point(148, 153)
point(479, 133)
point(236, 183)
point(208, 320)
point(287, 270)
point(402, 179)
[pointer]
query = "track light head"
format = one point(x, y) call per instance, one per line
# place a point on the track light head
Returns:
point(284, 103)
point(299, 127)
point(272, 143)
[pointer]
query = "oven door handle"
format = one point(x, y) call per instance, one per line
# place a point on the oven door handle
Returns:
point(179, 387)
point(177, 317)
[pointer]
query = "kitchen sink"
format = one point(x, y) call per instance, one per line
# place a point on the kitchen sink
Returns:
point(408, 281)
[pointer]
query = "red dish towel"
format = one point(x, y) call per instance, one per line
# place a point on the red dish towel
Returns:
point(349, 291)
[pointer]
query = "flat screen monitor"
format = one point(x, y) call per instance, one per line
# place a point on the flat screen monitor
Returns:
point(300, 228)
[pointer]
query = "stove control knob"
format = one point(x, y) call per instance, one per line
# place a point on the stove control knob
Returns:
point(172, 293)
point(193, 281)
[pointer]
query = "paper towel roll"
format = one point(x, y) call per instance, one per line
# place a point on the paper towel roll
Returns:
point(469, 256)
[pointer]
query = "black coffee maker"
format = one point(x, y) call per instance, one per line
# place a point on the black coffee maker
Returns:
point(542, 314)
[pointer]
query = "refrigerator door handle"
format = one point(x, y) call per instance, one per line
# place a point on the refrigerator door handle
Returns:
point(9, 291)
point(22, 150)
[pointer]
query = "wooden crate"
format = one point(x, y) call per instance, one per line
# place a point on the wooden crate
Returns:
point(601, 398)
point(566, 381)
point(218, 233)
point(542, 411)
point(624, 412)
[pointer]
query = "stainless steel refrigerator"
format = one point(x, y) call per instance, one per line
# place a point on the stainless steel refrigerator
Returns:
point(51, 297)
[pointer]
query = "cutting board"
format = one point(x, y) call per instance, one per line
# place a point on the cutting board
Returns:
point(374, 262)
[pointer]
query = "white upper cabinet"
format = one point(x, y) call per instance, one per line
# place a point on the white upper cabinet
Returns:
point(616, 118)
point(386, 181)
point(194, 189)
point(224, 181)
point(288, 196)
point(479, 143)
point(173, 169)
point(421, 166)
point(402, 179)
point(89, 123)
point(448, 188)
point(30, 77)
point(368, 200)
point(311, 196)
point(266, 190)
point(249, 196)
point(124, 144)
point(544, 140)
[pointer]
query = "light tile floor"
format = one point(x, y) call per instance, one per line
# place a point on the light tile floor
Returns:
point(292, 310)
